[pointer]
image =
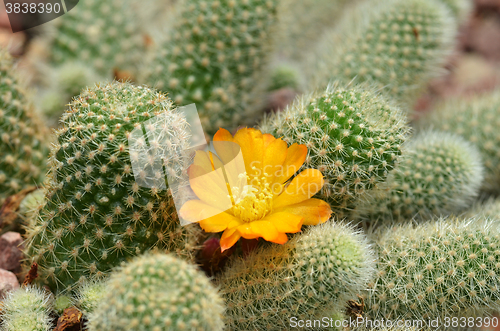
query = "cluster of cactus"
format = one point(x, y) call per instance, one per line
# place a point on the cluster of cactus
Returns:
point(312, 275)
point(434, 270)
point(95, 213)
point(104, 229)
point(353, 136)
point(397, 45)
point(26, 309)
point(23, 141)
point(476, 119)
point(438, 174)
point(158, 292)
point(215, 55)
point(302, 22)
point(100, 34)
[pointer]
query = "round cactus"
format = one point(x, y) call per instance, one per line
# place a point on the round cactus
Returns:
point(89, 295)
point(460, 8)
point(314, 274)
point(26, 309)
point(476, 119)
point(96, 211)
point(214, 56)
point(105, 35)
point(158, 292)
point(439, 174)
point(353, 137)
point(397, 45)
point(436, 270)
point(23, 142)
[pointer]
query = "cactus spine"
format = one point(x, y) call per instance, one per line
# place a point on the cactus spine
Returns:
point(22, 143)
point(90, 295)
point(26, 309)
point(397, 45)
point(436, 270)
point(476, 119)
point(214, 56)
point(353, 137)
point(314, 274)
point(158, 292)
point(439, 174)
point(95, 213)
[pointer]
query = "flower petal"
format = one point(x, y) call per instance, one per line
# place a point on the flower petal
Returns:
point(228, 239)
point(217, 223)
point(223, 135)
point(280, 239)
point(302, 187)
point(197, 210)
point(274, 157)
point(211, 187)
point(252, 148)
point(314, 211)
point(295, 158)
point(265, 229)
point(285, 222)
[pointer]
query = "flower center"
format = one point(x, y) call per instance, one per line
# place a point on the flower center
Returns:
point(254, 202)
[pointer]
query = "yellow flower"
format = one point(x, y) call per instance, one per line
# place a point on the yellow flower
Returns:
point(262, 202)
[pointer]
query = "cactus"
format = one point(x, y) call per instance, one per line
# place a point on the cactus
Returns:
point(284, 76)
point(90, 295)
point(303, 21)
point(314, 274)
point(158, 292)
point(396, 45)
point(62, 302)
point(476, 119)
point(26, 309)
point(489, 208)
point(439, 174)
point(460, 8)
point(353, 137)
point(23, 145)
point(105, 35)
point(65, 82)
point(95, 213)
point(435, 270)
point(215, 56)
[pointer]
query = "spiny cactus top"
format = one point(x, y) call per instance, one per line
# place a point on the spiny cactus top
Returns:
point(96, 214)
point(397, 45)
point(439, 174)
point(436, 270)
point(312, 275)
point(353, 137)
point(23, 143)
point(214, 57)
point(156, 292)
point(476, 119)
point(26, 309)
point(103, 34)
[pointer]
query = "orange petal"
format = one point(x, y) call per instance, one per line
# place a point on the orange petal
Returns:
point(280, 239)
point(268, 138)
point(285, 222)
point(223, 135)
point(314, 211)
point(274, 157)
point(211, 187)
point(197, 210)
point(265, 229)
point(252, 148)
point(217, 223)
point(228, 239)
point(295, 158)
point(302, 187)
